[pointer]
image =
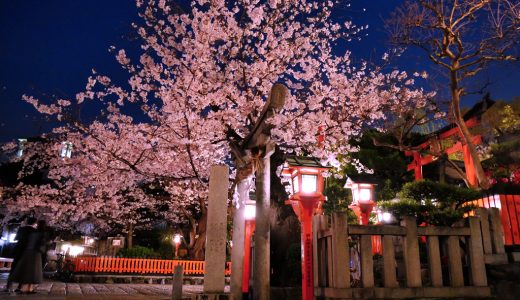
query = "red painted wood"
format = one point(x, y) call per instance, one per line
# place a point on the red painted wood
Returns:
point(504, 216)
point(513, 218)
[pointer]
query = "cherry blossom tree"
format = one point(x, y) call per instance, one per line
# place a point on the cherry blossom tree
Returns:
point(200, 82)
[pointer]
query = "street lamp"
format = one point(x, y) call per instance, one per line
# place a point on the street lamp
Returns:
point(177, 241)
point(249, 216)
point(307, 182)
point(362, 196)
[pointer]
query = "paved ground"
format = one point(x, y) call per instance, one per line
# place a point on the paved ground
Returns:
point(59, 290)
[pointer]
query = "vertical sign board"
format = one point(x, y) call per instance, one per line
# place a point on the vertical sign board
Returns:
point(215, 255)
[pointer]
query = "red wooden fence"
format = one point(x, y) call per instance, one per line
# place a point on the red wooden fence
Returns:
point(509, 206)
point(138, 265)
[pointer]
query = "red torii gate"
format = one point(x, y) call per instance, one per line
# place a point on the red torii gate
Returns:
point(434, 144)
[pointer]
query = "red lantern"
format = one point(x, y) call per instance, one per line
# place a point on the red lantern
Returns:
point(307, 183)
point(362, 196)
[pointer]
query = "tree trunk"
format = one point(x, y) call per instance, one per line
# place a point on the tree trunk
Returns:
point(198, 245)
point(130, 236)
point(482, 179)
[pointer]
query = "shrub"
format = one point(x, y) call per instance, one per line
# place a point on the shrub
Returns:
point(435, 203)
point(138, 252)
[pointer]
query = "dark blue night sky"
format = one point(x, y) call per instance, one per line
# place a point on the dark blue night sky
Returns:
point(49, 48)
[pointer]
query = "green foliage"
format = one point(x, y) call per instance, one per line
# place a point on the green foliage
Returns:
point(435, 203)
point(504, 159)
point(293, 264)
point(138, 252)
point(338, 197)
point(387, 163)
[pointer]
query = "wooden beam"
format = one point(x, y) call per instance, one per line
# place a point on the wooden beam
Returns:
point(259, 136)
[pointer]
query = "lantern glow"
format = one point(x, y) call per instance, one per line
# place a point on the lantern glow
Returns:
point(309, 183)
point(250, 212)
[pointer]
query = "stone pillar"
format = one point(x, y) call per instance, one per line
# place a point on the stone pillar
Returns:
point(497, 231)
point(340, 251)
point(434, 260)
point(237, 253)
point(367, 261)
point(215, 255)
point(262, 260)
point(476, 254)
point(411, 253)
point(177, 283)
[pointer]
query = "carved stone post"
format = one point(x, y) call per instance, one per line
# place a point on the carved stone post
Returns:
point(215, 256)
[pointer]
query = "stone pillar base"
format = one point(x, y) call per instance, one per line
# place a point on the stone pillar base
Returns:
point(211, 297)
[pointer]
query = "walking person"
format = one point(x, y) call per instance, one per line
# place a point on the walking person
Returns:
point(29, 270)
point(21, 237)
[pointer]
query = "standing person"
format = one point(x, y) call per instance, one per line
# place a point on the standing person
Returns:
point(29, 271)
point(21, 237)
point(42, 227)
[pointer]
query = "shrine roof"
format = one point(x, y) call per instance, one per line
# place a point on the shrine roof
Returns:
point(476, 111)
point(304, 161)
point(363, 178)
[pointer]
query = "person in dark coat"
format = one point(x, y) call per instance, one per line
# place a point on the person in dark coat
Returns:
point(29, 270)
point(21, 237)
point(44, 229)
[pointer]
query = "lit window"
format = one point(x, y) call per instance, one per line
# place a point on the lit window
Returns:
point(309, 183)
point(21, 147)
point(66, 150)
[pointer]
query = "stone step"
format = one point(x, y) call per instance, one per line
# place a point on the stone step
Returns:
point(150, 279)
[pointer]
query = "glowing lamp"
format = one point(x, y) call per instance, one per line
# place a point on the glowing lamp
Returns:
point(362, 196)
point(177, 239)
point(250, 211)
point(385, 217)
point(72, 249)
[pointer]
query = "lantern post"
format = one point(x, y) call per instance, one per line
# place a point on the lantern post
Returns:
point(362, 196)
point(177, 241)
point(306, 199)
point(249, 216)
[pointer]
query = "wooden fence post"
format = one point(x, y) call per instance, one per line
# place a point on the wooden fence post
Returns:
point(411, 253)
point(434, 261)
point(340, 251)
point(497, 231)
point(367, 261)
point(485, 229)
point(476, 254)
point(389, 262)
point(455, 262)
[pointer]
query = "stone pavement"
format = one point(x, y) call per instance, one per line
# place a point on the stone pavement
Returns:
point(70, 291)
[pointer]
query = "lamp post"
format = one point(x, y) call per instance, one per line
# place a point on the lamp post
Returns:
point(177, 241)
point(306, 200)
point(249, 216)
point(362, 196)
